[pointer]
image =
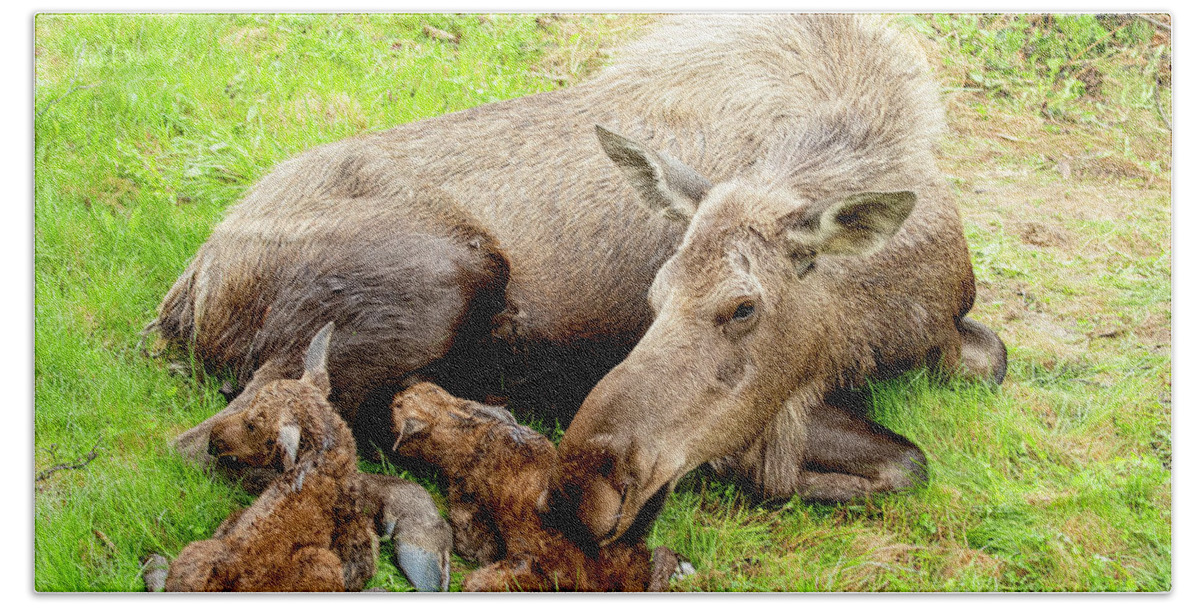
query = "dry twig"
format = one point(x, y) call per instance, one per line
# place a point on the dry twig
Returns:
point(78, 464)
point(439, 34)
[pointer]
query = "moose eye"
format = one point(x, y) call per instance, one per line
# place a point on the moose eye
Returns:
point(250, 426)
point(744, 311)
point(739, 319)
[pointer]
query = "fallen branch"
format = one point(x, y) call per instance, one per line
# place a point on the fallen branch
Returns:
point(439, 34)
point(78, 464)
point(112, 547)
point(73, 87)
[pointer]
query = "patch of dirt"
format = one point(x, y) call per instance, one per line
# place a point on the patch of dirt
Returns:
point(881, 554)
point(1106, 168)
point(245, 38)
point(1032, 400)
point(581, 44)
point(1046, 498)
point(1155, 330)
point(960, 560)
point(1040, 234)
point(340, 108)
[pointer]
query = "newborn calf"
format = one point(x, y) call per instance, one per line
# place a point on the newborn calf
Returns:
point(498, 476)
point(310, 529)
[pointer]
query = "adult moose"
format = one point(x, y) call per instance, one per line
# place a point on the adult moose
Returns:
point(501, 251)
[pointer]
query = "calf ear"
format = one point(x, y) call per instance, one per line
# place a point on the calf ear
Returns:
point(410, 427)
point(289, 442)
point(315, 359)
point(665, 184)
point(859, 224)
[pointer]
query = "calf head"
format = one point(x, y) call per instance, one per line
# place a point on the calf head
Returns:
point(283, 419)
point(430, 422)
point(743, 316)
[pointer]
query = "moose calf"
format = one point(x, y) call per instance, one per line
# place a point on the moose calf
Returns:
point(499, 475)
point(310, 529)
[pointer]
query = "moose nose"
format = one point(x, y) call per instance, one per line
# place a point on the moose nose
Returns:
point(602, 509)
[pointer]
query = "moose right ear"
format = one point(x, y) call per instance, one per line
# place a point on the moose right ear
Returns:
point(665, 184)
point(859, 224)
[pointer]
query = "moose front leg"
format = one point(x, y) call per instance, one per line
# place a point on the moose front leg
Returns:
point(984, 355)
point(848, 456)
point(825, 453)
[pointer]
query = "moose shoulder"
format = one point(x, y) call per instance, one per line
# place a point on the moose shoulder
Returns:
point(770, 225)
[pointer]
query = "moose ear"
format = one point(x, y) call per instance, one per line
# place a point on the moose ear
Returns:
point(289, 442)
point(859, 224)
point(665, 184)
point(316, 357)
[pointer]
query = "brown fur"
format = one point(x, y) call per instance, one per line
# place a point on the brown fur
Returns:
point(498, 480)
point(311, 529)
point(498, 250)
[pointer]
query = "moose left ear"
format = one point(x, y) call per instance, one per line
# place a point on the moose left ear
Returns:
point(665, 184)
point(315, 360)
point(859, 224)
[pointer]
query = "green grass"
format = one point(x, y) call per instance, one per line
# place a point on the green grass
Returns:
point(148, 127)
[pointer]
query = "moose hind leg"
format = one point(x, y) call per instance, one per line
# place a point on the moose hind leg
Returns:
point(984, 355)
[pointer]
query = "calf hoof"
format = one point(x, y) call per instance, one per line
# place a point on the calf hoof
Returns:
point(668, 566)
point(154, 572)
point(426, 571)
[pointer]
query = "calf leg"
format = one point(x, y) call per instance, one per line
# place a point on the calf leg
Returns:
point(406, 513)
point(475, 535)
point(357, 548)
point(197, 568)
point(515, 573)
point(312, 569)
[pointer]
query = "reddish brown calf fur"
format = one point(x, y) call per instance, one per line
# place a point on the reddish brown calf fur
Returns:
point(499, 474)
point(310, 530)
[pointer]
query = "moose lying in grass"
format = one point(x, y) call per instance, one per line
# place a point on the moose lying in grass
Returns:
point(774, 231)
point(313, 527)
point(499, 475)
